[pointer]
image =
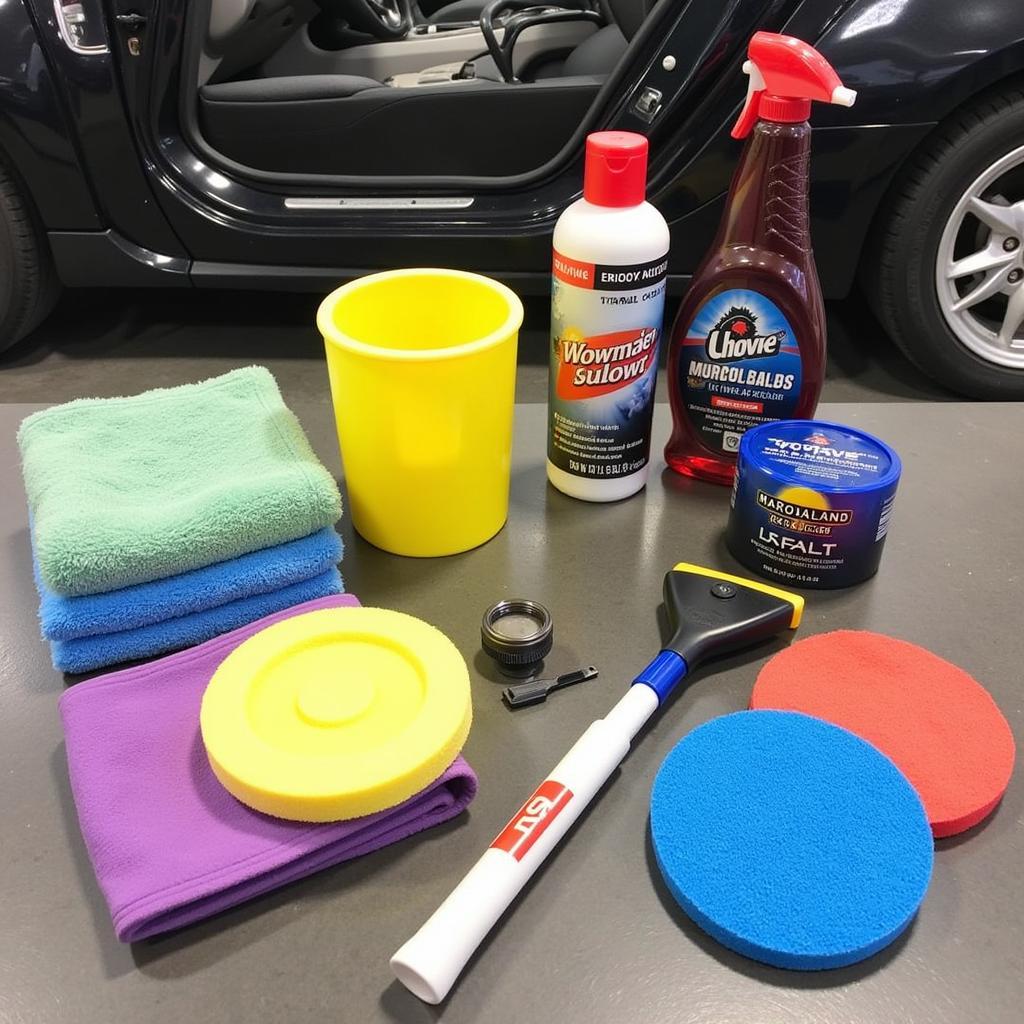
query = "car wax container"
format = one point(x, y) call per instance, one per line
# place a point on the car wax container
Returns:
point(607, 301)
point(748, 345)
point(811, 503)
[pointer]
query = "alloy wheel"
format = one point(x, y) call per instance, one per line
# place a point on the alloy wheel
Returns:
point(979, 271)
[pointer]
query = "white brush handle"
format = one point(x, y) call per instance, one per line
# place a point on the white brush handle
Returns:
point(434, 957)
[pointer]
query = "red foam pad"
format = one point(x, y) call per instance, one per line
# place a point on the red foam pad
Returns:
point(939, 725)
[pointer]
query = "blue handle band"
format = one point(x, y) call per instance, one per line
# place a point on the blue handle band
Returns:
point(663, 674)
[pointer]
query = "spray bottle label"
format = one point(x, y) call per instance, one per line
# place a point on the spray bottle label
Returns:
point(605, 328)
point(739, 366)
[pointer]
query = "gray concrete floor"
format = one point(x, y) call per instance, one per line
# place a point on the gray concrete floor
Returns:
point(121, 342)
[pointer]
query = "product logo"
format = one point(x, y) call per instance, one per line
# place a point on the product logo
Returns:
point(533, 818)
point(588, 367)
point(803, 510)
point(735, 337)
point(816, 446)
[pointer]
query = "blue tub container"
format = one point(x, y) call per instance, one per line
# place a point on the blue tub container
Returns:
point(811, 503)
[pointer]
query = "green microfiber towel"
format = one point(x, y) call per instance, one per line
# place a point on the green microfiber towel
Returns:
point(128, 490)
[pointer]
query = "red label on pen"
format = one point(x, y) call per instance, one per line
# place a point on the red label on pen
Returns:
point(530, 821)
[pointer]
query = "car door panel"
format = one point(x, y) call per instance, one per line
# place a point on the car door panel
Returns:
point(100, 132)
point(505, 227)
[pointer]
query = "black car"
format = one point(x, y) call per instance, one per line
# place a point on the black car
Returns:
point(292, 143)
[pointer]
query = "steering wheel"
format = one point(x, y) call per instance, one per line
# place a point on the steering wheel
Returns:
point(384, 19)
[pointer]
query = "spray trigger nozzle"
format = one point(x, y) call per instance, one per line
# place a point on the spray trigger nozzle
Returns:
point(748, 115)
point(785, 75)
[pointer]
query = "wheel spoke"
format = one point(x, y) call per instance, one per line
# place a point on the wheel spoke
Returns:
point(979, 263)
point(1001, 219)
point(984, 290)
point(1012, 319)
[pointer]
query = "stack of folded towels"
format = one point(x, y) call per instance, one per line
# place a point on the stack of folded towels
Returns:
point(165, 519)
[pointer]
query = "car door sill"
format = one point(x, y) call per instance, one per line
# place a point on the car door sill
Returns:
point(378, 202)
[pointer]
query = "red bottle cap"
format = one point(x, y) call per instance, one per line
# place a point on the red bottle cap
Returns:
point(784, 109)
point(615, 172)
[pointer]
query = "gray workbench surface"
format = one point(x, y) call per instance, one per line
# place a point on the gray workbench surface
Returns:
point(595, 937)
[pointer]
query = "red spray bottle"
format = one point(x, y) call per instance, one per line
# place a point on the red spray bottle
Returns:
point(748, 345)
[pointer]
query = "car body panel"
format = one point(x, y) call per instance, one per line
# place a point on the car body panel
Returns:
point(915, 60)
point(94, 123)
point(99, 140)
point(34, 131)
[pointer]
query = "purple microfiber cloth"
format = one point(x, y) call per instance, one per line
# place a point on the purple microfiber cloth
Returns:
point(169, 845)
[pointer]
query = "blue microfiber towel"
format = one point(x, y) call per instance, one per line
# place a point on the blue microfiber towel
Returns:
point(127, 490)
point(92, 652)
point(790, 840)
point(145, 604)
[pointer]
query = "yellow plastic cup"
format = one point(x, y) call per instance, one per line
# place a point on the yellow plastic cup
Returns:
point(423, 367)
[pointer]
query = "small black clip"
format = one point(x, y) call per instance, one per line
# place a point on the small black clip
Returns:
point(536, 690)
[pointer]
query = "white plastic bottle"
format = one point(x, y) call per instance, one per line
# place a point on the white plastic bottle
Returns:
point(607, 303)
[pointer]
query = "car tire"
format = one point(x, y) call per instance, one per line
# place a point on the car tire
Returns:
point(951, 317)
point(28, 283)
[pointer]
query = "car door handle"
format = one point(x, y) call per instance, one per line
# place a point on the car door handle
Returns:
point(132, 21)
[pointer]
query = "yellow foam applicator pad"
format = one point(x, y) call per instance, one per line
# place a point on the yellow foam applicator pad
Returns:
point(336, 713)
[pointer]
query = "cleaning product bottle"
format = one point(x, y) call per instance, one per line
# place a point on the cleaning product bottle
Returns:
point(607, 301)
point(748, 344)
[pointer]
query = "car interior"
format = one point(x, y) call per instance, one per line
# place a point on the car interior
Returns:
point(468, 88)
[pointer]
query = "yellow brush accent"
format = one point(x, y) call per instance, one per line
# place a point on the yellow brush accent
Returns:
point(794, 599)
point(336, 713)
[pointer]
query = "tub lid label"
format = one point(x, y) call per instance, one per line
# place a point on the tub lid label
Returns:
point(820, 452)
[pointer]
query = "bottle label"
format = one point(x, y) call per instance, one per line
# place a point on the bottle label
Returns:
point(605, 328)
point(739, 366)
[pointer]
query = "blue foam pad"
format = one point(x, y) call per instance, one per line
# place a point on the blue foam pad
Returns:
point(790, 840)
